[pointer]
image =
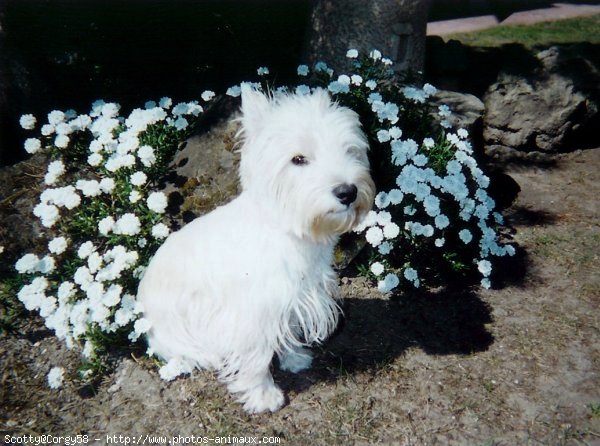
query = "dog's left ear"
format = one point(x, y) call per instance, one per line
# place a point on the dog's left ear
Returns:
point(255, 106)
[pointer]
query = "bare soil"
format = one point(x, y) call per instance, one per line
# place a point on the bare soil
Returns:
point(517, 365)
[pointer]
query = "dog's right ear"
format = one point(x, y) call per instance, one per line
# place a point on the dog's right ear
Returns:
point(255, 106)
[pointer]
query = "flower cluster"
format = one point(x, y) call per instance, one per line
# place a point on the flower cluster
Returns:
point(433, 213)
point(103, 218)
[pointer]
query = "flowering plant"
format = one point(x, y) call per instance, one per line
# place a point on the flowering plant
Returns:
point(103, 215)
point(433, 217)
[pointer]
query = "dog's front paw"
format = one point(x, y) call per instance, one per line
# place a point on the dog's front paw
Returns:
point(296, 360)
point(263, 398)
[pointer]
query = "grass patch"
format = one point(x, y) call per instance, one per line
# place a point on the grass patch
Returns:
point(581, 29)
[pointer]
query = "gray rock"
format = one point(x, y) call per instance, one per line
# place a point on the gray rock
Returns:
point(543, 112)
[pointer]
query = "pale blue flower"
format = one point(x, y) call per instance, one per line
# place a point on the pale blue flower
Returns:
point(302, 70)
point(441, 221)
point(411, 274)
point(383, 136)
point(337, 87)
point(302, 89)
point(262, 71)
point(395, 196)
point(465, 236)
point(390, 282)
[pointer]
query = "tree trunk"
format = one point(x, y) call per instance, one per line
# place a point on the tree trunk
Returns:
point(397, 28)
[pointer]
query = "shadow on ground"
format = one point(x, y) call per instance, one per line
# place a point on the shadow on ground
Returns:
point(376, 331)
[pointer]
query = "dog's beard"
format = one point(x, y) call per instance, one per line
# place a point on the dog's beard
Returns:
point(331, 224)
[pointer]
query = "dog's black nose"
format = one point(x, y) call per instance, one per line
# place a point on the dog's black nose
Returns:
point(346, 193)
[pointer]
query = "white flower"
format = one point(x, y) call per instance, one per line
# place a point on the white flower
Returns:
point(371, 84)
point(262, 71)
point(138, 178)
point(85, 249)
point(391, 230)
point(377, 268)
point(32, 145)
point(47, 129)
point(160, 230)
point(234, 91)
point(387, 61)
point(157, 202)
point(207, 95)
point(57, 245)
point(390, 282)
point(127, 224)
point(55, 170)
point(302, 70)
point(146, 155)
point(27, 264)
point(135, 196)
point(428, 143)
point(47, 213)
point(374, 236)
point(484, 267)
point(352, 53)
point(106, 225)
point(56, 117)
point(47, 265)
point(180, 123)
point(395, 132)
point(140, 327)
point(356, 79)
point(375, 54)
point(89, 188)
point(174, 368)
point(462, 133)
point(61, 141)
point(439, 242)
point(83, 277)
point(429, 89)
point(94, 262)
point(444, 111)
point(65, 291)
point(27, 122)
point(95, 159)
point(383, 136)
point(107, 185)
point(486, 283)
point(150, 104)
point(56, 377)
point(344, 79)
point(112, 296)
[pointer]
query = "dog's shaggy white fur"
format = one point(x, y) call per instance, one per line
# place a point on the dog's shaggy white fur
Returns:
point(253, 278)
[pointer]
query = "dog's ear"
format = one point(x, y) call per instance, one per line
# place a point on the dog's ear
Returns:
point(255, 106)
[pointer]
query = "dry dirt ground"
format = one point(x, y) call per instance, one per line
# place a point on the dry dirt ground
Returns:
point(517, 365)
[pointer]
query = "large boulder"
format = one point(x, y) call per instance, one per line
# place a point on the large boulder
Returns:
point(549, 111)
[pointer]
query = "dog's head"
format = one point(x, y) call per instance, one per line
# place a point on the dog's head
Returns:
point(304, 160)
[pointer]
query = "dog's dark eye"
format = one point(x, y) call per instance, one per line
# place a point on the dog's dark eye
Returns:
point(299, 160)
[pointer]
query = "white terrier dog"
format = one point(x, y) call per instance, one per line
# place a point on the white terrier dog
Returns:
point(253, 278)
